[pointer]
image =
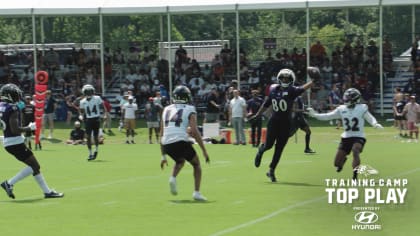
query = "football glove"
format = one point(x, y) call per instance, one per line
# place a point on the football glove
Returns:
point(32, 126)
point(310, 111)
point(378, 126)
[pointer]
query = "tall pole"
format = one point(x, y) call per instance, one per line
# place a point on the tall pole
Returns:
point(307, 48)
point(238, 66)
point(42, 35)
point(35, 56)
point(101, 38)
point(381, 66)
point(161, 28)
point(169, 51)
point(413, 23)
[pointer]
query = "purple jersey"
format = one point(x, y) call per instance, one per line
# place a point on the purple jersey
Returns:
point(281, 100)
point(6, 110)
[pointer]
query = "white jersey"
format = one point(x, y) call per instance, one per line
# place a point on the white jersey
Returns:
point(175, 119)
point(353, 119)
point(92, 107)
point(130, 110)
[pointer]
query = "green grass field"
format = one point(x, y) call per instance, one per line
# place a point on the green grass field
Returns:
point(125, 192)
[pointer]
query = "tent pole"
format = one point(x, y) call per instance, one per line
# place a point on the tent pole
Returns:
point(381, 66)
point(161, 28)
point(413, 23)
point(101, 38)
point(35, 56)
point(169, 51)
point(307, 49)
point(238, 76)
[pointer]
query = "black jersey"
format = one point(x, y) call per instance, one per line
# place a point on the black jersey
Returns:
point(28, 114)
point(400, 106)
point(281, 100)
point(6, 110)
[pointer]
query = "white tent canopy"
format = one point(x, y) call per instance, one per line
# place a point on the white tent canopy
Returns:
point(125, 7)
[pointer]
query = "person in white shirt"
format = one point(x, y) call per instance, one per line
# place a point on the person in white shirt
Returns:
point(176, 120)
point(237, 114)
point(411, 112)
point(129, 114)
point(90, 108)
point(353, 116)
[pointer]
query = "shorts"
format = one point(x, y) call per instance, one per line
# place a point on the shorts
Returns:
point(400, 117)
point(152, 124)
point(19, 151)
point(346, 144)
point(180, 151)
point(130, 123)
point(411, 126)
point(92, 125)
point(301, 122)
point(48, 117)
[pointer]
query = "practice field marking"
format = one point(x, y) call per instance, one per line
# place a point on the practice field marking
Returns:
point(296, 205)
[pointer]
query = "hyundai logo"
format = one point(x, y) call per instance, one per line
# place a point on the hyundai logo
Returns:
point(366, 217)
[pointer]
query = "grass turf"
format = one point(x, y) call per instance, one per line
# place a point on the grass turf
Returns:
point(124, 192)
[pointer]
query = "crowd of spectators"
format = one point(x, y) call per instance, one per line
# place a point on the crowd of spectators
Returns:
point(143, 73)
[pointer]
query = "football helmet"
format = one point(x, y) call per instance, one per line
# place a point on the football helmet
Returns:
point(351, 97)
point(182, 94)
point(286, 77)
point(88, 90)
point(10, 93)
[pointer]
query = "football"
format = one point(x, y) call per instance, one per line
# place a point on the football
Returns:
point(314, 73)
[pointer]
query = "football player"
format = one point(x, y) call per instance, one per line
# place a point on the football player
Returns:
point(13, 142)
point(176, 120)
point(281, 99)
point(352, 114)
point(299, 122)
point(90, 108)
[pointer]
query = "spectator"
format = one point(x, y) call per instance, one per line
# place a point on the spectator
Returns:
point(49, 111)
point(213, 107)
point(372, 50)
point(237, 114)
point(317, 53)
point(152, 114)
point(321, 99)
point(77, 135)
point(410, 87)
point(107, 115)
point(411, 111)
point(253, 105)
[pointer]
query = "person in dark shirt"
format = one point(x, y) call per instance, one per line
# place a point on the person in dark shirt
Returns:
point(213, 108)
point(77, 135)
point(280, 100)
point(253, 105)
point(299, 122)
point(50, 106)
point(14, 142)
point(28, 117)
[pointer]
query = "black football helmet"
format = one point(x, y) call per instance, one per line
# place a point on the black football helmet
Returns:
point(351, 97)
point(182, 94)
point(88, 90)
point(286, 77)
point(10, 93)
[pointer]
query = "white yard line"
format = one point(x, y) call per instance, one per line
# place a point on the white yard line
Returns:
point(285, 209)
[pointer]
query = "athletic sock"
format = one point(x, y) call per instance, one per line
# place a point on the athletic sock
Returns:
point(25, 172)
point(96, 148)
point(307, 140)
point(42, 183)
point(90, 151)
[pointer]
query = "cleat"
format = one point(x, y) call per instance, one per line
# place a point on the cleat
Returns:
point(271, 175)
point(127, 142)
point(8, 188)
point(339, 168)
point(53, 194)
point(132, 141)
point(309, 151)
point(258, 157)
point(172, 186)
point(198, 197)
point(355, 174)
point(91, 158)
point(95, 154)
